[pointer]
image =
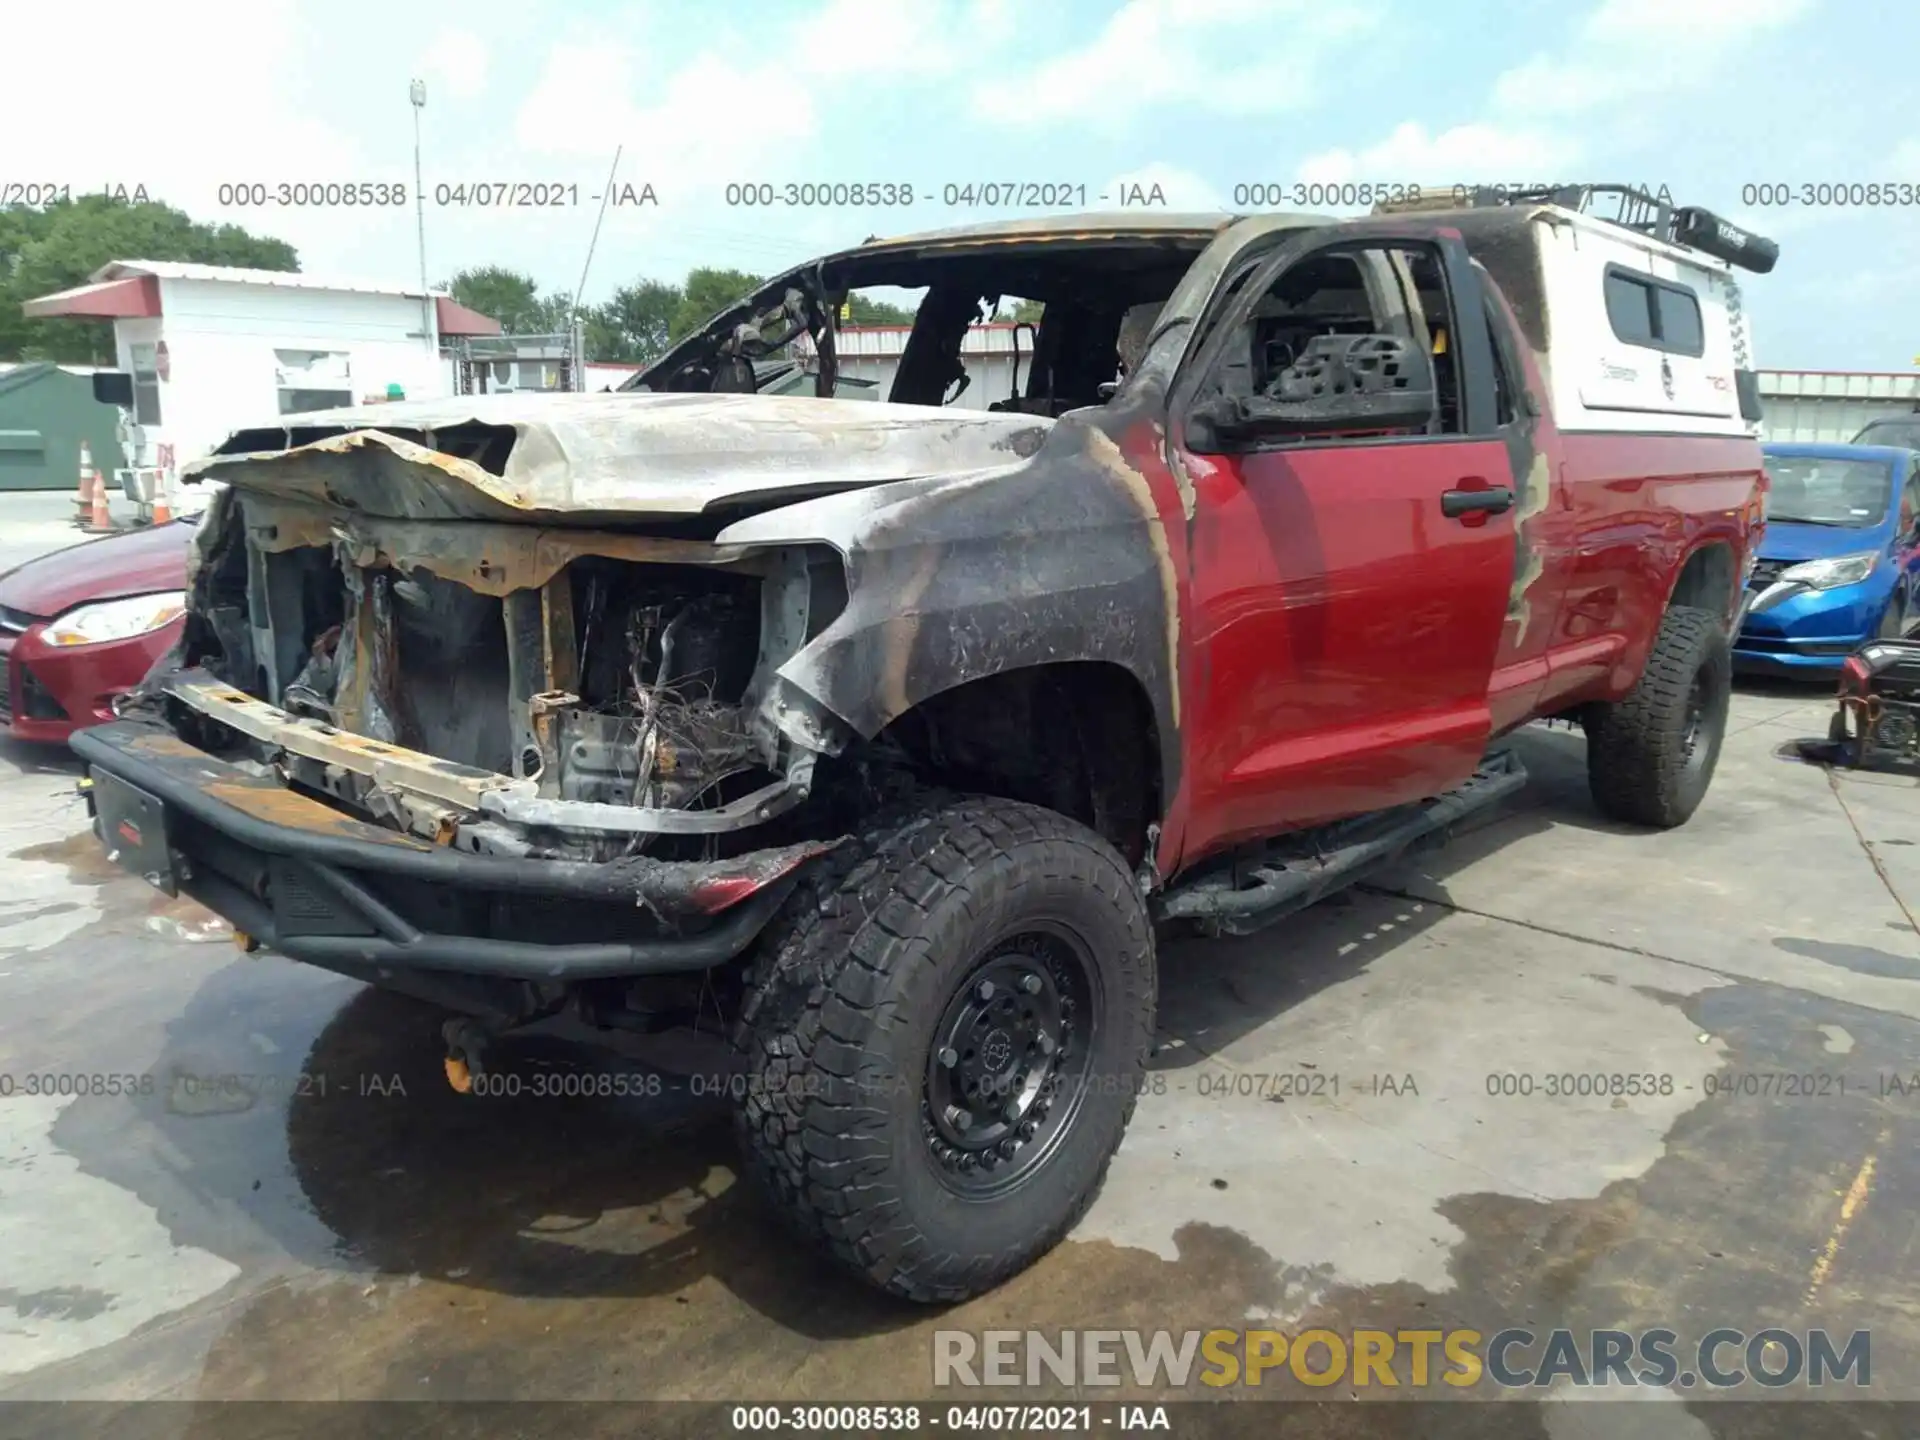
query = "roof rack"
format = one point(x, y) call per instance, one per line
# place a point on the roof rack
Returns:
point(1634, 208)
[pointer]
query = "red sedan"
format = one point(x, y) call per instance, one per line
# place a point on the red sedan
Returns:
point(83, 624)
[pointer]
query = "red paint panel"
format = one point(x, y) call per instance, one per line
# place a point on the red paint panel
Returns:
point(1636, 507)
point(1344, 631)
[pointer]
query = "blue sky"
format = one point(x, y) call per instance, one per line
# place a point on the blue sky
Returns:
point(1703, 96)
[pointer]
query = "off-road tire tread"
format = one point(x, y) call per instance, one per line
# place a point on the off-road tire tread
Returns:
point(816, 981)
point(1633, 745)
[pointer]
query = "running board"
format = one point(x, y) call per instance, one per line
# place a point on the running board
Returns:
point(1249, 893)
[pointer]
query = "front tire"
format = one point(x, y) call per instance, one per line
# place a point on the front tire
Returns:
point(1651, 756)
point(944, 1035)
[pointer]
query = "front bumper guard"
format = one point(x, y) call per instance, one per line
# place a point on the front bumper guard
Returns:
point(319, 886)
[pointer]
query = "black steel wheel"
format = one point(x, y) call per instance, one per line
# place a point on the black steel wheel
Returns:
point(1007, 1066)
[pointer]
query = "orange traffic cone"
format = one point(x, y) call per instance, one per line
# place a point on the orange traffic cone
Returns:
point(83, 502)
point(101, 517)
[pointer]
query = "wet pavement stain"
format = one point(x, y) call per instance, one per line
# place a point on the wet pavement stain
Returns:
point(63, 1302)
point(82, 853)
point(481, 1248)
point(1862, 959)
point(87, 863)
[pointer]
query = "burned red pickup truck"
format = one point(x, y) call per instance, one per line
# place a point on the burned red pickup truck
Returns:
point(886, 736)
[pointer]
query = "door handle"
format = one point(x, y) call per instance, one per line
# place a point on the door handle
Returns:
point(1496, 500)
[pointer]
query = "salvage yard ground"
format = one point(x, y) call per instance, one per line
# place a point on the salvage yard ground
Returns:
point(341, 1224)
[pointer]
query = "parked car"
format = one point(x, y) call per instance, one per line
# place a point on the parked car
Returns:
point(889, 731)
point(1898, 430)
point(82, 625)
point(1840, 558)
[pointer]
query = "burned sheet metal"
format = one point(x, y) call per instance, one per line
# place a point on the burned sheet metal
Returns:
point(404, 773)
point(611, 457)
point(385, 763)
point(1061, 558)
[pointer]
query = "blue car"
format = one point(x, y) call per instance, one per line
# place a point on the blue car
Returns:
point(1840, 559)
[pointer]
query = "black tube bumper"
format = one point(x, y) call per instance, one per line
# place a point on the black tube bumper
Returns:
point(320, 886)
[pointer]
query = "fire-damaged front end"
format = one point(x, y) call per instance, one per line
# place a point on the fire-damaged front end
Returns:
point(517, 701)
point(483, 697)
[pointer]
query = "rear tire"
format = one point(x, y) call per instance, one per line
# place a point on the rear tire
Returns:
point(944, 1035)
point(1651, 756)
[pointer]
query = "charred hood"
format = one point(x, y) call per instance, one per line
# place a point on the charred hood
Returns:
point(584, 459)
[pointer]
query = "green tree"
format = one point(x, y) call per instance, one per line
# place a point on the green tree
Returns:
point(551, 314)
point(706, 293)
point(58, 246)
point(636, 324)
point(505, 295)
point(876, 312)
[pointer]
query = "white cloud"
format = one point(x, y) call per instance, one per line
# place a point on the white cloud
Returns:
point(174, 113)
point(1186, 51)
point(913, 38)
point(1658, 22)
point(738, 110)
point(590, 98)
point(1631, 48)
point(1538, 122)
point(456, 62)
point(1476, 152)
point(155, 105)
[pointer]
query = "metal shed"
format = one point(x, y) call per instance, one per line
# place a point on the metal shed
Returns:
point(1832, 405)
point(46, 410)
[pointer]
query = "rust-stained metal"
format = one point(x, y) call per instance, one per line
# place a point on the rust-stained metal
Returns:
point(162, 745)
point(258, 796)
point(594, 817)
point(544, 711)
point(352, 658)
point(406, 773)
point(488, 558)
point(278, 805)
point(386, 764)
point(562, 660)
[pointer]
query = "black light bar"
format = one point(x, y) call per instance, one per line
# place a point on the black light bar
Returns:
point(1706, 232)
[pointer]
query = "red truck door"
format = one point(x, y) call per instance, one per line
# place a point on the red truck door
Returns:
point(1349, 582)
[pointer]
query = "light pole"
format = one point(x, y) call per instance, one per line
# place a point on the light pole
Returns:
point(417, 93)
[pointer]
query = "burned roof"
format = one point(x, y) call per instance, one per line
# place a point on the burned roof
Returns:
point(1031, 257)
point(1095, 224)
